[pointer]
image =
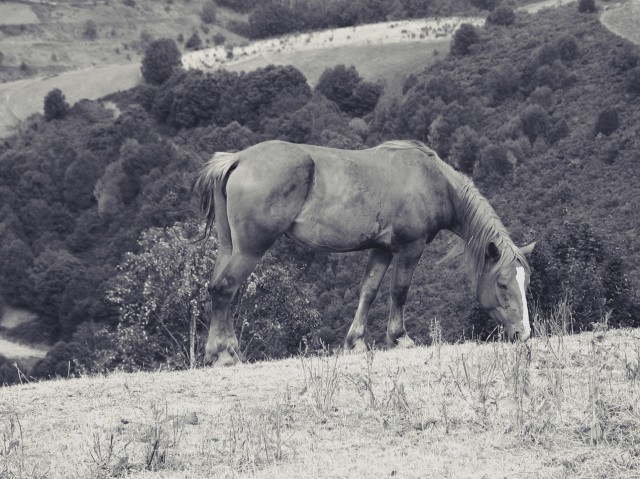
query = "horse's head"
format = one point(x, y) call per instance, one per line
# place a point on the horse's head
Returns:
point(502, 291)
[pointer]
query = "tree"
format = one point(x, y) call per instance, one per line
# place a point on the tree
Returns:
point(194, 42)
point(162, 297)
point(587, 6)
point(464, 37)
point(55, 105)
point(633, 81)
point(160, 59)
point(607, 121)
point(535, 122)
point(208, 14)
point(90, 30)
point(338, 84)
point(503, 15)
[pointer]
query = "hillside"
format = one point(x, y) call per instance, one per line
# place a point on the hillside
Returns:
point(51, 37)
point(563, 407)
point(541, 110)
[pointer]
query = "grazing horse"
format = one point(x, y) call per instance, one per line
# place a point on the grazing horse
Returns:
point(391, 200)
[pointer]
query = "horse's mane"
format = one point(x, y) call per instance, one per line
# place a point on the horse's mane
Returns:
point(480, 223)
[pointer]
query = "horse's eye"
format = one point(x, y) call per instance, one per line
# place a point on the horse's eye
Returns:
point(502, 285)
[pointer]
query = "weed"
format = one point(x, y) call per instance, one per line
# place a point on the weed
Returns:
point(108, 452)
point(475, 382)
point(255, 441)
point(13, 460)
point(321, 378)
point(164, 434)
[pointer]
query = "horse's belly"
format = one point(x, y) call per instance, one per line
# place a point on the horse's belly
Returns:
point(343, 232)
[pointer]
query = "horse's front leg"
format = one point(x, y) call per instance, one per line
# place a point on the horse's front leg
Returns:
point(406, 262)
point(376, 268)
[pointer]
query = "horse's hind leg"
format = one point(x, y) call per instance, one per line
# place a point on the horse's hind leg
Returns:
point(405, 265)
point(378, 263)
point(222, 344)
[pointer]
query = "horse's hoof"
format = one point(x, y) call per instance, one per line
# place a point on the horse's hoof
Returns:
point(359, 346)
point(222, 359)
point(404, 342)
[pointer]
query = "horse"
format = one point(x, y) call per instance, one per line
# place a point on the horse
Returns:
point(391, 199)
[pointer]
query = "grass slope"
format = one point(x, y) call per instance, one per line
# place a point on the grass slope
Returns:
point(563, 407)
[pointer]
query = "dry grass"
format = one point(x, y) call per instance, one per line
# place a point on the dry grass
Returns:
point(559, 406)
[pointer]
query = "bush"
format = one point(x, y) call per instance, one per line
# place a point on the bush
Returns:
point(55, 105)
point(535, 122)
point(219, 39)
point(338, 84)
point(464, 37)
point(567, 48)
point(502, 15)
point(194, 42)
point(502, 82)
point(607, 121)
point(626, 57)
point(633, 81)
point(587, 6)
point(209, 11)
point(160, 59)
point(90, 30)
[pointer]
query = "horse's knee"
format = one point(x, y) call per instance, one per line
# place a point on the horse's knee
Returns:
point(399, 295)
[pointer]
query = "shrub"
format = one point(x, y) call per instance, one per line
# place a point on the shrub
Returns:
point(502, 82)
point(587, 6)
point(633, 81)
point(90, 30)
point(464, 37)
point(567, 48)
point(219, 39)
point(55, 105)
point(209, 11)
point(465, 149)
point(543, 96)
point(194, 42)
point(502, 15)
point(535, 122)
point(338, 84)
point(160, 59)
point(626, 57)
point(607, 121)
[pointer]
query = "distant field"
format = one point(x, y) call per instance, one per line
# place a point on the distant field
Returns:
point(17, 14)
point(385, 62)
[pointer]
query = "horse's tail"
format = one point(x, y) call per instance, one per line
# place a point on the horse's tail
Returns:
point(210, 184)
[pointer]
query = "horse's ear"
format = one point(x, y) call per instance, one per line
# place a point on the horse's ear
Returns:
point(492, 253)
point(527, 250)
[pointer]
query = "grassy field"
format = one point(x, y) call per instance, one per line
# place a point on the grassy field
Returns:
point(384, 62)
point(558, 407)
point(624, 20)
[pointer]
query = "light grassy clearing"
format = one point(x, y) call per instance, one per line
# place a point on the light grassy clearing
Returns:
point(623, 19)
point(382, 62)
point(558, 407)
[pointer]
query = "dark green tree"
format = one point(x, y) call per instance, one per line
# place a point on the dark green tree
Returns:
point(160, 59)
point(466, 36)
point(55, 105)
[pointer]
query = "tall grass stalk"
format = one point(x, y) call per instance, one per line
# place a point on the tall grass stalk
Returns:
point(321, 379)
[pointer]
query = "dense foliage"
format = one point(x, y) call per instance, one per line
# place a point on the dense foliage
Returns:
point(539, 112)
point(277, 17)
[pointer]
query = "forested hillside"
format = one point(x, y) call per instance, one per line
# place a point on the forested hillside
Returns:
point(543, 111)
